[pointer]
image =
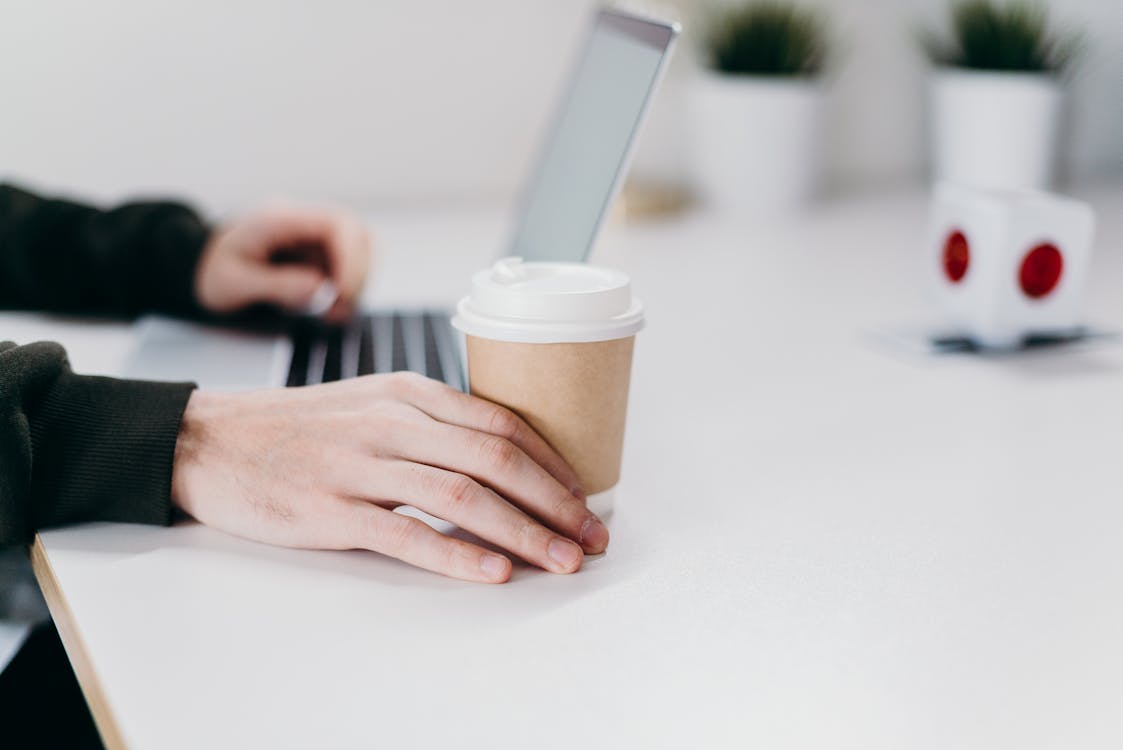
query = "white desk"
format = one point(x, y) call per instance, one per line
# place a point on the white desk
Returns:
point(816, 543)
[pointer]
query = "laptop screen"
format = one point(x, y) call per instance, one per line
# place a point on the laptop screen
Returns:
point(586, 154)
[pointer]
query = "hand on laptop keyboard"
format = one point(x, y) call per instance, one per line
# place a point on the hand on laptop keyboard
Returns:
point(304, 260)
point(324, 466)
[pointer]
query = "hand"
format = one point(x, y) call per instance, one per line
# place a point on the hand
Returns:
point(323, 467)
point(283, 256)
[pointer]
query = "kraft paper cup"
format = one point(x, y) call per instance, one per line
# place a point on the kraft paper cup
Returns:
point(553, 342)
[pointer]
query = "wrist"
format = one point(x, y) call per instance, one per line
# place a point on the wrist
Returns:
point(191, 441)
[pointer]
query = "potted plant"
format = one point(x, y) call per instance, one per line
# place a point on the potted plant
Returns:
point(756, 109)
point(995, 95)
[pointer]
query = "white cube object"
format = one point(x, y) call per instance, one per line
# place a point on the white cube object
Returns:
point(1008, 264)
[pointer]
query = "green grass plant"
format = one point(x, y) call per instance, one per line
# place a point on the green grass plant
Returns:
point(1012, 36)
point(767, 38)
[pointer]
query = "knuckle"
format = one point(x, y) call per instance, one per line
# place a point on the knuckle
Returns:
point(399, 383)
point(499, 453)
point(453, 556)
point(530, 535)
point(503, 422)
point(384, 415)
point(458, 490)
point(406, 384)
point(395, 533)
point(569, 509)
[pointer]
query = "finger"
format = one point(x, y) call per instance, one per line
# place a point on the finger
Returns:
point(503, 466)
point(323, 299)
point(290, 287)
point(311, 236)
point(417, 543)
point(444, 403)
point(291, 233)
point(460, 500)
point(347, 245)
point(341, 311)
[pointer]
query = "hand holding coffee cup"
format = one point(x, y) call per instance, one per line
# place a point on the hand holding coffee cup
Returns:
point(553, 342)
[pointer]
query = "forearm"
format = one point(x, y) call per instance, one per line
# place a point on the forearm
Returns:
point(60, 255)
point(77, 448)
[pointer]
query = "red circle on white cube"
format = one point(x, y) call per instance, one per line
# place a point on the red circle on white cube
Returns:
point(1041, 270)
point(957, 256)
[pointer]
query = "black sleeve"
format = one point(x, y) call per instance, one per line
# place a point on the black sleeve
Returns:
point(63, 256)
point(77, 448)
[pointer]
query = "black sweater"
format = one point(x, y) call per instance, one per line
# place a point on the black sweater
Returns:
point(73, 447)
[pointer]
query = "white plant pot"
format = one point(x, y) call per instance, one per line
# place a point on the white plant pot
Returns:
point(995, 129)
point(755, 141)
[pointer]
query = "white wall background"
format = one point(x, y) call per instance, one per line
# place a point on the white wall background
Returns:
point(387, 101)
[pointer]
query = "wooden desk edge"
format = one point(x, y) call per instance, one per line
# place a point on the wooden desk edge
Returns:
point(75, 649)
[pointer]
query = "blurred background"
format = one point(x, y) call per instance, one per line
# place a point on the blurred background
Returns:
point(390, 102)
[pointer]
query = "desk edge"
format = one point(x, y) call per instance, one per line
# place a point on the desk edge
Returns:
point(75, 648)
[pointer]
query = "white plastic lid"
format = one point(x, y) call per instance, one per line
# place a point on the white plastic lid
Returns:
point(542, 303)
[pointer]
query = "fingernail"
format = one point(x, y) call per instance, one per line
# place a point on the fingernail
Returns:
point(566, 554)
point(493, 566)
point(593, 534)
point(322, 299)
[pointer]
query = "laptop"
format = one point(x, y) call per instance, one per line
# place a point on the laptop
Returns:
point(578, 173)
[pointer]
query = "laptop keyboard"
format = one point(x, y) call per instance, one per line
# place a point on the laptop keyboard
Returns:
point(378, 342)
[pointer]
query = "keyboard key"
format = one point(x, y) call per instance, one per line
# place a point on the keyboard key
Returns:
point(398, 348)
point(366, 346)
point(349, 358)
point(432, 357)
point(413, 338)
point(333, 356)
point(377, 343)
point(448, 350)
point(298, 367)
point(382, 324)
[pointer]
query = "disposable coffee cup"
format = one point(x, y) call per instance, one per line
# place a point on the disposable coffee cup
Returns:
point(553, 342)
